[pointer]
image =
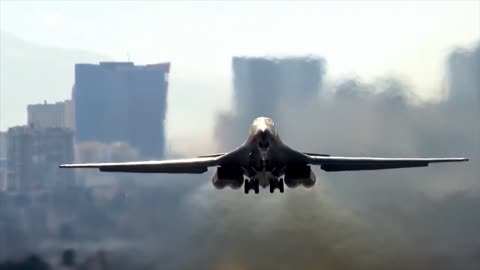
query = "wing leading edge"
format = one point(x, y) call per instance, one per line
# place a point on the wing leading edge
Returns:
point(190, 165)
point(337, 163)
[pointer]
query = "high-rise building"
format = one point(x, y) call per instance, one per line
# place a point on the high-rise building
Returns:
point(33, 156)
point(3, 145)
point(262, 83)
point(3, 161)
point(54, 115)
point(120, 101)
point(463, 67)
point(264, 86)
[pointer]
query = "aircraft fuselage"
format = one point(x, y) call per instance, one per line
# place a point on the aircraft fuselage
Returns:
point(267, 159)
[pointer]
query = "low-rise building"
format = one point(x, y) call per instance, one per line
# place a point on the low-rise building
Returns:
point(33, 156)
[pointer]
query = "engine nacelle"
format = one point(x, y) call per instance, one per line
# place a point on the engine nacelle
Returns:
point(296, 175)
point(228, 177)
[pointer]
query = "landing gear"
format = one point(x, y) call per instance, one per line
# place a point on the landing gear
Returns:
point(252, 184)
point(277, 183)
point(281, 186)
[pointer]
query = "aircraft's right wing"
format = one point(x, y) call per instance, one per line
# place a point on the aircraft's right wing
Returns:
point(337, 163)
point(190, 165)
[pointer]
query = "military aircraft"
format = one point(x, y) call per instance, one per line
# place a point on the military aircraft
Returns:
point(263, 160)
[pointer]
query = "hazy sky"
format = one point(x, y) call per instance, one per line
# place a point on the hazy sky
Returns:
point(368, 39)
point(365, 38)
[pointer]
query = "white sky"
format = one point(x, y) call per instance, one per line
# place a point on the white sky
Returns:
point(369, 39)
point(365, 38)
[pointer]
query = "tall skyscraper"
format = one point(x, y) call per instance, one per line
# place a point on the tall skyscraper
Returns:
point(54, 115)
point(262, 83)
point(119, 101)
point(463, 67)
point(263, 86)
point(3, 160)
point(33, 156)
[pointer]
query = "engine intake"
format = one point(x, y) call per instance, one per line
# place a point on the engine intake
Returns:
point(228, 176)
point(299, 174)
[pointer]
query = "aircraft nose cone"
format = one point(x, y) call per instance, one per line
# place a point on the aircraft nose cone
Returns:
point(263, 131)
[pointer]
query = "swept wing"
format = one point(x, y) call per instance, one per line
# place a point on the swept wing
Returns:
point(188, 165)
point(339, 163)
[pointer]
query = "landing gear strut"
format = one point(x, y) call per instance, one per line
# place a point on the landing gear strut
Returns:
point(252, 184)
point(277, 183)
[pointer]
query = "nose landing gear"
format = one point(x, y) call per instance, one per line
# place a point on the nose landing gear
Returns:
point(252, 184)
point(277, 183)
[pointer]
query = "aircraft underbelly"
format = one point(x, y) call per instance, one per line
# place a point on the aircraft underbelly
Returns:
point(264, 178)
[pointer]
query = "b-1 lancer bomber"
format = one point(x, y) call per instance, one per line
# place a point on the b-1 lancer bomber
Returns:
point(263, 160)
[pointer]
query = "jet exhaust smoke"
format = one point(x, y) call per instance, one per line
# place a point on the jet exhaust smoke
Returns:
point(421, 218)
point(396, 219)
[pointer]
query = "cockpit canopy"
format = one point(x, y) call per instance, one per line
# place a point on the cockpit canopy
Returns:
point(263, 123)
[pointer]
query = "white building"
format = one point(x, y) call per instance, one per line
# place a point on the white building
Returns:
point(54, 115)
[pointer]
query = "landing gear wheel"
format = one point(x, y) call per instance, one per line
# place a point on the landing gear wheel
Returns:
point(281, 185)
point(272, 185)
point(256, 186)
point(247, 186)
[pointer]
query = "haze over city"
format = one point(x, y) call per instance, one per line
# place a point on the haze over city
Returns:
point(365, 39)
point(118, 81)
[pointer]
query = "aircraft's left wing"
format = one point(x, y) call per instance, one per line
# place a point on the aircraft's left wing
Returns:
point(190, 165)
point(337, 163)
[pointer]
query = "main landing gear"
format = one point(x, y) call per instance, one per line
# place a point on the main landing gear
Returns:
point(276, 183)
point(252, 184)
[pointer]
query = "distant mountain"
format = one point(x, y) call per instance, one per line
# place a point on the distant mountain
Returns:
point(31, 73)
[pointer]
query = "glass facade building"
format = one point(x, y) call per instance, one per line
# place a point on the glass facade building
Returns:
point(120, 101)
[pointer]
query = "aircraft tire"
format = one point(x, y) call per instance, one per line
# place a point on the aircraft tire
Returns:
point(247, 186)
point(281, 185)
point(256, 186)
point(272, 185)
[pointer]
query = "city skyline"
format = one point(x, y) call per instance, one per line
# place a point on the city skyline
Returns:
point(343, 79)
point(362, 40)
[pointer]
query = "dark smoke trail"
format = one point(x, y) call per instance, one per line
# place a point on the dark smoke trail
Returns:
point(415, 218)
point(420, 218)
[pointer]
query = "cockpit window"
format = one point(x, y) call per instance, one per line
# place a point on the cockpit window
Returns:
point(263, 121)
point(269, 122)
